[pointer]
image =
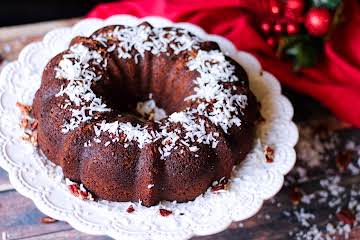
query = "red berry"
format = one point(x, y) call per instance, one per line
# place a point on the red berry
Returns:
point(278, 28)
point(271, 41)
point(275, 9)
point(266, 27)
point(318, 21)
point(292, 28)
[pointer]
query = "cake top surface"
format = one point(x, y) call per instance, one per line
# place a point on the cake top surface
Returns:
point(215, 94)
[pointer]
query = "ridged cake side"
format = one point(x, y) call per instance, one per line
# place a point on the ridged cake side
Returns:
point(124, 170)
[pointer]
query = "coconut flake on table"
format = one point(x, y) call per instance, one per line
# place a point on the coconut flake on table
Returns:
point(312, 150)
point(304, 217)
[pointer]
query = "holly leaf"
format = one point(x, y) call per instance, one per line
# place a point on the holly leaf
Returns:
point(331, 4)
point(288, 41)
point(304, 54)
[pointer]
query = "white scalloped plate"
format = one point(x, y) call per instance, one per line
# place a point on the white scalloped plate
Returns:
point(35, 177)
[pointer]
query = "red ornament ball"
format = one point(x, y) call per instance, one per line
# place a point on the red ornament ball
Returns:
point(265, 27)
point(295, 6)
point(317, 21)
point(272, 41)
point(292, 28)
point(278, 27)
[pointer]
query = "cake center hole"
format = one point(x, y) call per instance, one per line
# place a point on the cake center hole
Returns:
point(150, 97)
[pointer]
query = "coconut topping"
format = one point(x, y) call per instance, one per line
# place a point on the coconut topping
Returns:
point(214, 70)
point(150, 111)
point(76, 69)
point(215, 102)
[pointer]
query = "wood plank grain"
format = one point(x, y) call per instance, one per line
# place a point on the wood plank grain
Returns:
point(20, 218)
point(272, 223)
point(71, 234)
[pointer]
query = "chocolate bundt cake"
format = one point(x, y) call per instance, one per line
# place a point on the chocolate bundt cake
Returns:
point(88, 123)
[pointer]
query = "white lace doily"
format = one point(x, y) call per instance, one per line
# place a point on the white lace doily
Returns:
point(34, 176)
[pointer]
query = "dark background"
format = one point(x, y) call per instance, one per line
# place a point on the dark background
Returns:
point(14, 12)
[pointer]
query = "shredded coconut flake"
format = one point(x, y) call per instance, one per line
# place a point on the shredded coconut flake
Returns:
point(150, 111)
point(75, 68)
point(216, 101)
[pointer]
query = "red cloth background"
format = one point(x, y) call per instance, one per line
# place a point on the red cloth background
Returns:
point(335, 81)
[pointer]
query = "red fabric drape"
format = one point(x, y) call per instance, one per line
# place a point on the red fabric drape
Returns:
point(335, 81)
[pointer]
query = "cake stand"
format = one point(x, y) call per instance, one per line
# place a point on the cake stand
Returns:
point(35, 177)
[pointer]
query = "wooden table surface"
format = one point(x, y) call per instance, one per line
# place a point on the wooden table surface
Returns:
point(322, 140)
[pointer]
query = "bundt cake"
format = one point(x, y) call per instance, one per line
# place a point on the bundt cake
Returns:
point(88, 123)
